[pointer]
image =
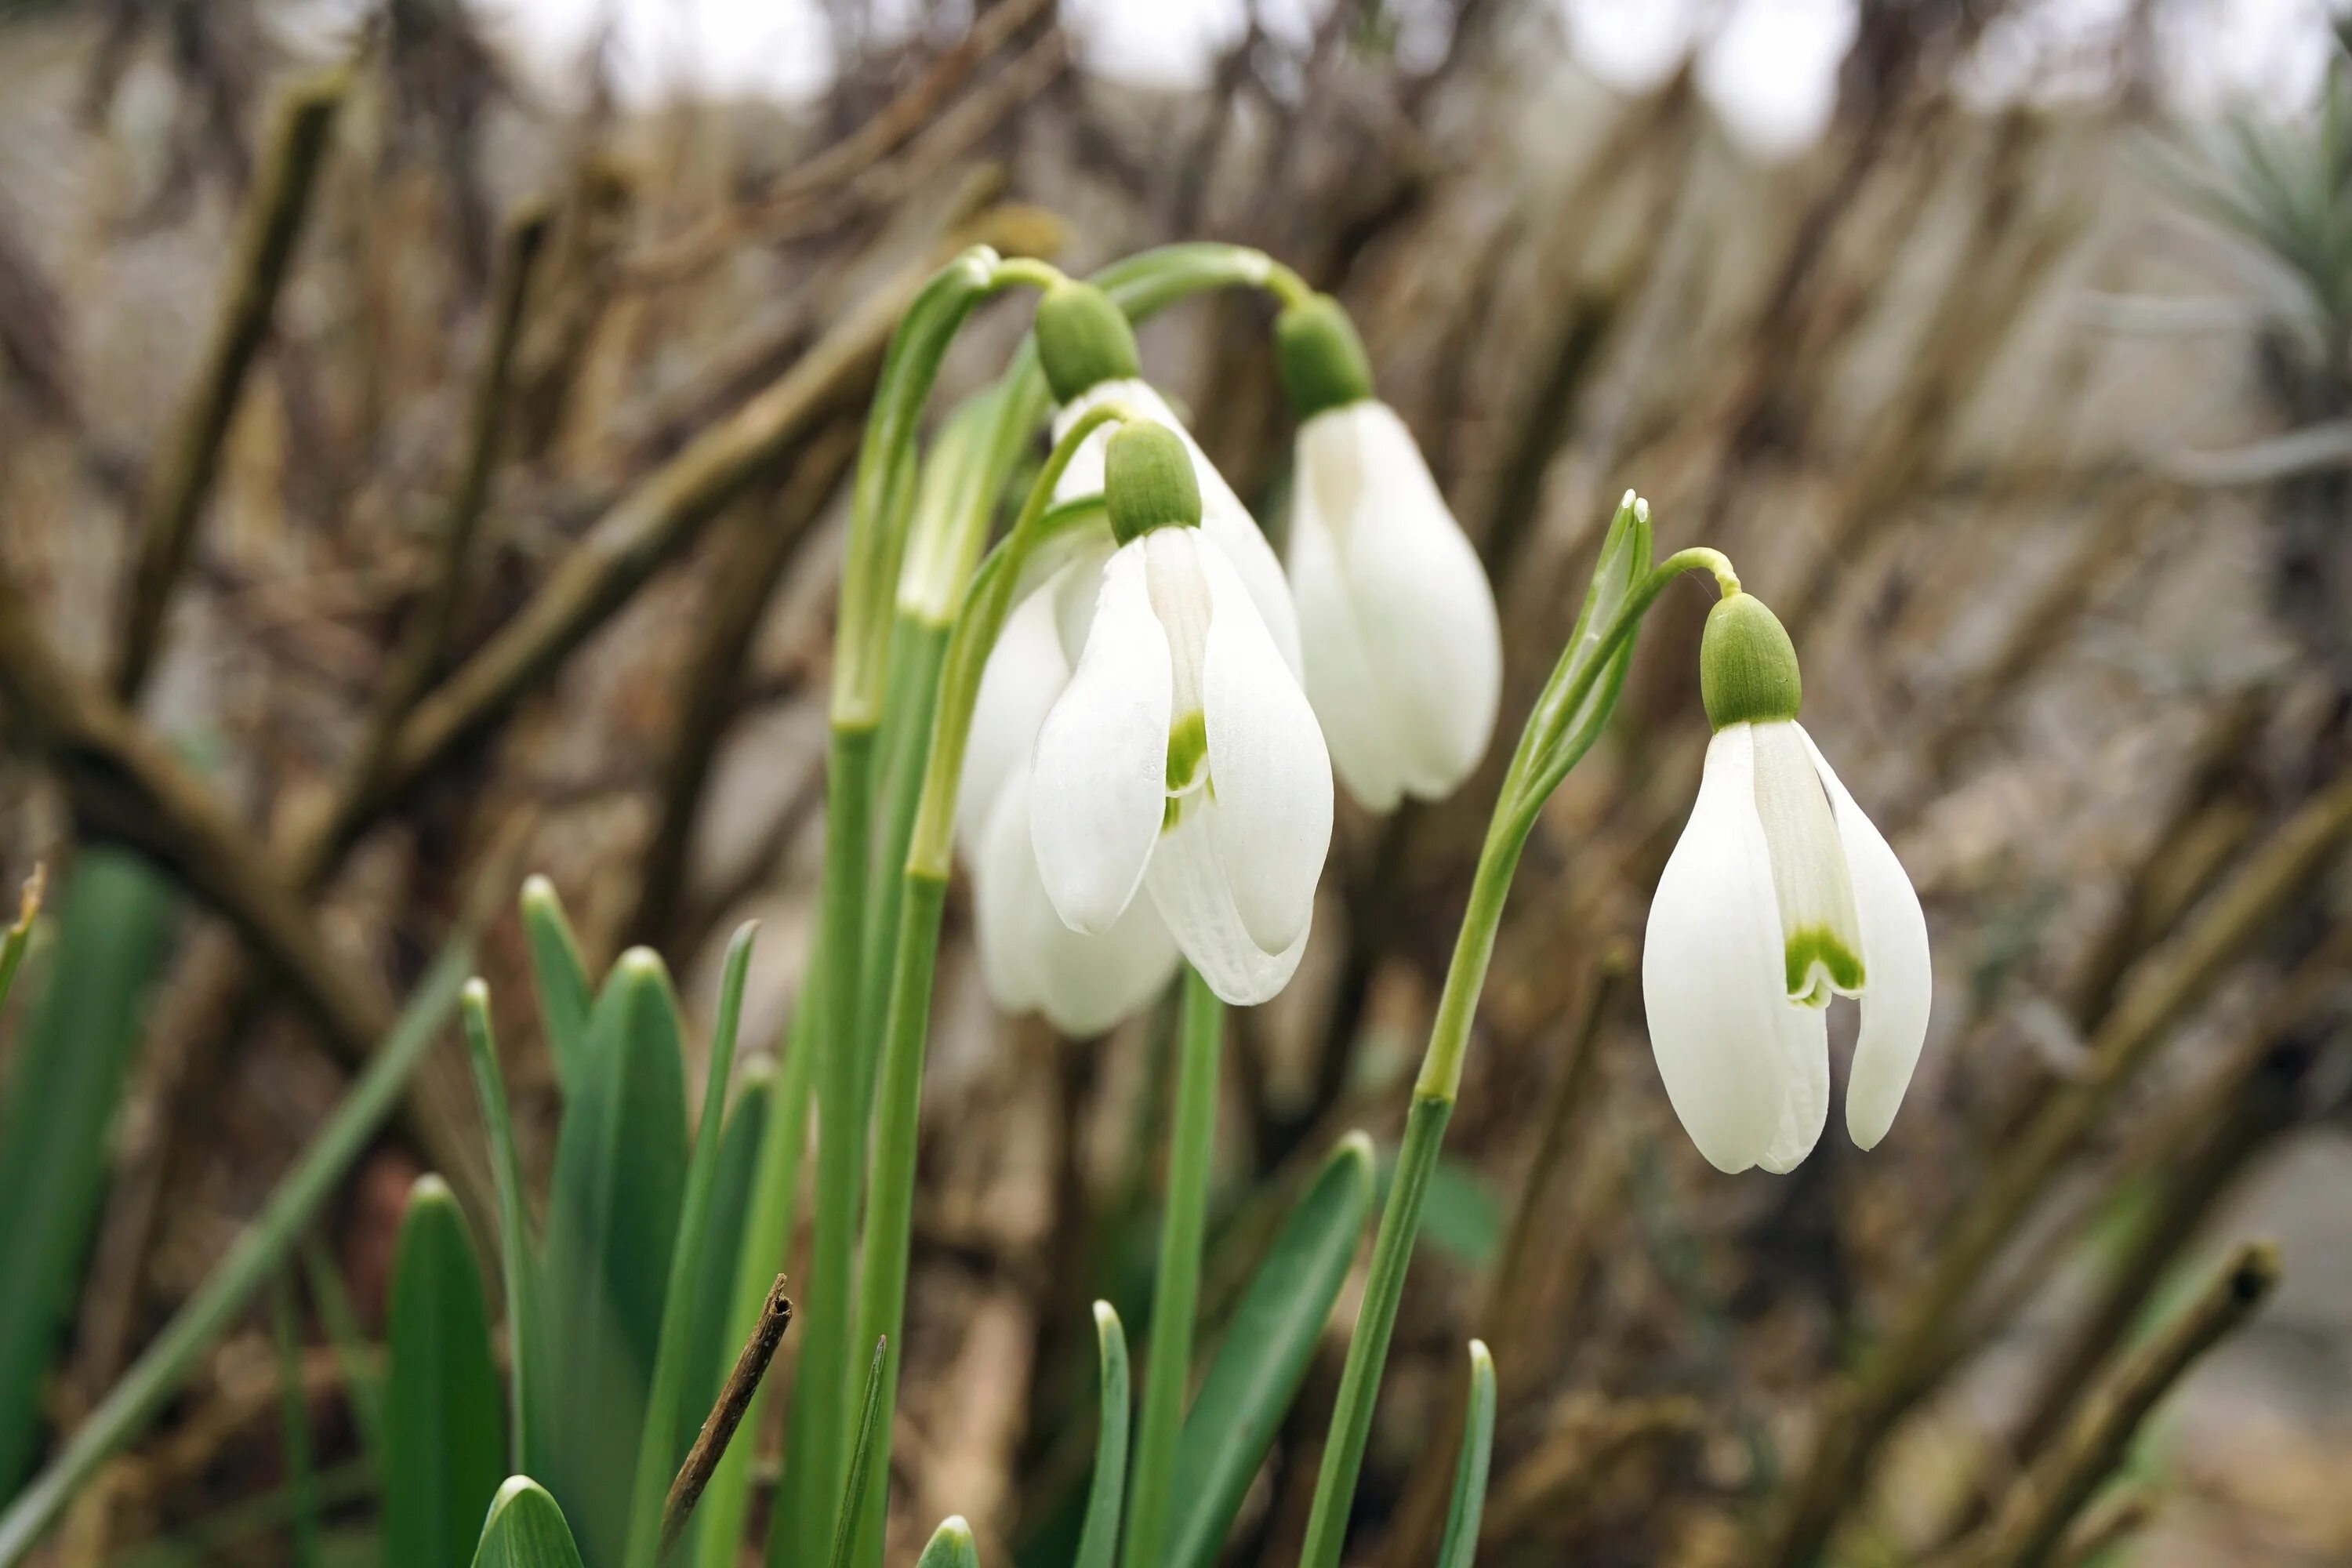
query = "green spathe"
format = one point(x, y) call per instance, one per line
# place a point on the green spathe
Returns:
point(1747, 665)
point(1148, 482)
point(1083, 340)
point(1321, 359)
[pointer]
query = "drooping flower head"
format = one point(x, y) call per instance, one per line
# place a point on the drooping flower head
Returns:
point(1029, 959)
point(1404, 649)
point(1780, 895)
point(1181, 761)
point(1087, 352)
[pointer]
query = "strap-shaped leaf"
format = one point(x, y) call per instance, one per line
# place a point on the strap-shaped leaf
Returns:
point(525, 1530)
point(1265, 1354)
point(72, 1062)
point(559, 977)
point(711, 1352)
point(861, 1460)
point(444, 1450)
point(950, 1546)
point(1098, 1542)
point(658, 1443)
point(1460, 1543)
point(611, 1224)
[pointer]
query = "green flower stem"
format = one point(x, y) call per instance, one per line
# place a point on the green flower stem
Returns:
point(264, 1245)
point(881, 505)
point(889, 1216)
point(1176, 1291)
point(761, 1256)
point(514, 1234)
point(658, 1444)
point(918, 649)
point(1550, 745)
point(815, 1452)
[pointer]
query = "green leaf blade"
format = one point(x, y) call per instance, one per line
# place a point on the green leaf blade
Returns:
point(68, 1084)
point(1459, 1545)
point(525, 1530)
point(559, 977)
point(1265, 1354)
point(444, 1448)
point(612, 1225)
point(1098, 1540)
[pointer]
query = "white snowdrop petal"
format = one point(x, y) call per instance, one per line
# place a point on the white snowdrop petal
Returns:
point(1223, 516)
point(1711, 967)
point(1025, 671)
point(1820, 934)
point(1338, 667)
point(1095, 793)
point(1083, 984)
point(1187, 884)
point(1268, 767)
point(1801, 1037)
point(1431, 631)
point(1899, 994)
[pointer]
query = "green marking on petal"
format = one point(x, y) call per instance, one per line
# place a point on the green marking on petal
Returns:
point(1188, 751)
point(1819, 963)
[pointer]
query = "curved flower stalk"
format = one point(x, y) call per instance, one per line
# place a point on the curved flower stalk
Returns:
point(1567, 719)
point(1403, 648)
point(1780, 895)
point(1030, 960)
point(1182, 758)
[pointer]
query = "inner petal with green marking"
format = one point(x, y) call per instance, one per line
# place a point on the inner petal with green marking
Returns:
point(1820, 934)
point(1820, 963)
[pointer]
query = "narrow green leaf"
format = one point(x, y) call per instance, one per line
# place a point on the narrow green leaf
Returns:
point(611, 1224)
point(360, 1360)
point(1098, 1542)
point(224, 1292)
point(558, 975)
point(517, 1266)
point(19, 932)
point(1460, 1543)
point(658, 1444)
point(74, 1060)
point(767, 1228)
point(861, 1460)
point(1265, 1354)
point(443, 1450)
point(950, 1546)
point(294, 1412)
point(525, 1530)
point(710, 1352)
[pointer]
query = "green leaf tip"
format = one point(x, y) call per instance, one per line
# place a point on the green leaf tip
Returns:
point(1747, 666)
point(1320, 358)
point(430, 1191)
point(1148, 480)
point(1083, 340)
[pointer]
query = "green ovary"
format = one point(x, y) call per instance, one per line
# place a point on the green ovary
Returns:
point(1819, 963)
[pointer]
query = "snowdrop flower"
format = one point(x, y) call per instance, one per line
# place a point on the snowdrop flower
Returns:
point(1403, 649)
point(1182, 761)
point(1029, 959)
point(1780, 895)
point(1088, 354)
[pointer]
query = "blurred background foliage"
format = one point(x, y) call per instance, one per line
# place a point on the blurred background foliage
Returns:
point(450, 446)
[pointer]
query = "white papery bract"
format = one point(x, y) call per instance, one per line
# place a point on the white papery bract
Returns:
point(1223, 519)
point(1029, 959)
point(1781, 894)
point(1184, 763)
point(1403, 649)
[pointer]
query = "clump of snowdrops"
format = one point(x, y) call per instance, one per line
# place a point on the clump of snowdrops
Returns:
point(1126, 715)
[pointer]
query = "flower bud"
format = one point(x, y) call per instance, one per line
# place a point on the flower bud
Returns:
point(1321, 359)
point(1747, 665)
point(1083, 340)
point(1148, 482)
